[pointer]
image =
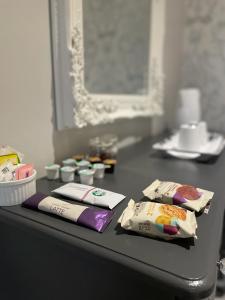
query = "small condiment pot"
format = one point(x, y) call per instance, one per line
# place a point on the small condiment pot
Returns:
point(78, 157)
point(86, 176)
point(52, 171)
point(67, 173)
point(110, 165)
point(83, 165)
point(99, 170)
point(69, 162)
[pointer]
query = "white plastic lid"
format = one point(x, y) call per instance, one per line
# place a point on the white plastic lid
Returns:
point(98, 166)
point(83, 163)
point(87, 172)
point(67, 169)
point(52, 167)
point(69, 161)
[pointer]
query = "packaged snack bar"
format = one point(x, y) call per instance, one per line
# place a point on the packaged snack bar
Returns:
point(179, 194)
point(90, 194)
point(94, 218)
point(159, 220)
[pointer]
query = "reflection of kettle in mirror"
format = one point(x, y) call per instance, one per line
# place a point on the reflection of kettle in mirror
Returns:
point(189, 106)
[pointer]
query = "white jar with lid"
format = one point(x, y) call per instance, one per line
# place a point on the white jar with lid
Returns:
point(52, 171)
point(83, 164)
point(99, 170)
point(69, 162)
point(67, 174)
point(86, 176)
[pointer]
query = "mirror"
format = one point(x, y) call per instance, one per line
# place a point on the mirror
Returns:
point(107, 59)
point(116, 46)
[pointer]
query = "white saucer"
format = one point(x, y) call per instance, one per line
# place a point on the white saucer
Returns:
point(214, 146)
point(183, 155)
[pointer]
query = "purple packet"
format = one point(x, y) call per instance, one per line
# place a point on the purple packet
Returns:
point(94, 218)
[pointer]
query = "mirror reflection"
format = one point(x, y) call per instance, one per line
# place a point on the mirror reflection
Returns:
point(116, 46)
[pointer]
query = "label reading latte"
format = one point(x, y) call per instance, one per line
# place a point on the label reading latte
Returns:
point(92, 217)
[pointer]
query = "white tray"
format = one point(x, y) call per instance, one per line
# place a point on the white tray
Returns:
point(213, 147)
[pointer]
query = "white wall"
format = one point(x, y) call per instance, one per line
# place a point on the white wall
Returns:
point(25, 79)
point(173, 61)
point(26, 117)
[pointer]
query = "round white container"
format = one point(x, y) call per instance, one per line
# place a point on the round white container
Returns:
point(99, 170)
point(69, 162)
point(16, 192)
point(189, 137)
point(52, 171)
point(86, 176)
point(67, 174)
point(83, 165)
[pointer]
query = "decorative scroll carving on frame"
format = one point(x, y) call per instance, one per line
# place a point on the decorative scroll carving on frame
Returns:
point(94, 109)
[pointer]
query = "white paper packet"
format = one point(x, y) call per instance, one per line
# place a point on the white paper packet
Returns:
point(7, 172)
point(90, 194)
point(159, 220)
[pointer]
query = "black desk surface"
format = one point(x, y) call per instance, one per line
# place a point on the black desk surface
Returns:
point(185, 265)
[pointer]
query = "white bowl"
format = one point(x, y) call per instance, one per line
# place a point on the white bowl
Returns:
point(16, 192)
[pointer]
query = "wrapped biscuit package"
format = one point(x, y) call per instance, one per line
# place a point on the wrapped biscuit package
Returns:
point(159, 220)
point(178, 194)
point(91, 217)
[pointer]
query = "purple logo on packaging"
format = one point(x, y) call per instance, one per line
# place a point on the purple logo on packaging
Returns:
point(178, 199)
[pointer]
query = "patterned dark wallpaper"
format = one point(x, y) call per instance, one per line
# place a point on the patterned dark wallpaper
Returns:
point(204, 57)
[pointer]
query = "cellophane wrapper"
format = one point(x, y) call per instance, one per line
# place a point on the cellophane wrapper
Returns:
point(184, 195)
point(159, 220)
point(91, 217)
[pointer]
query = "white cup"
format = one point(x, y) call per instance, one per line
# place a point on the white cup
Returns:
point(86, 176)
point(189, 106)
point(99, 170)
point(69, 162)
point(83, 165)
point(67, 174)
point(190, 137)
point(52, 171)
point(203, 132)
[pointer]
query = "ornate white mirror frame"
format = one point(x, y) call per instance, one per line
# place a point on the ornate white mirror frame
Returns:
point(75, 106)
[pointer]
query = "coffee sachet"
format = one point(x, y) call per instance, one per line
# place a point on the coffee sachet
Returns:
point(90, 194)
point(92, 217)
